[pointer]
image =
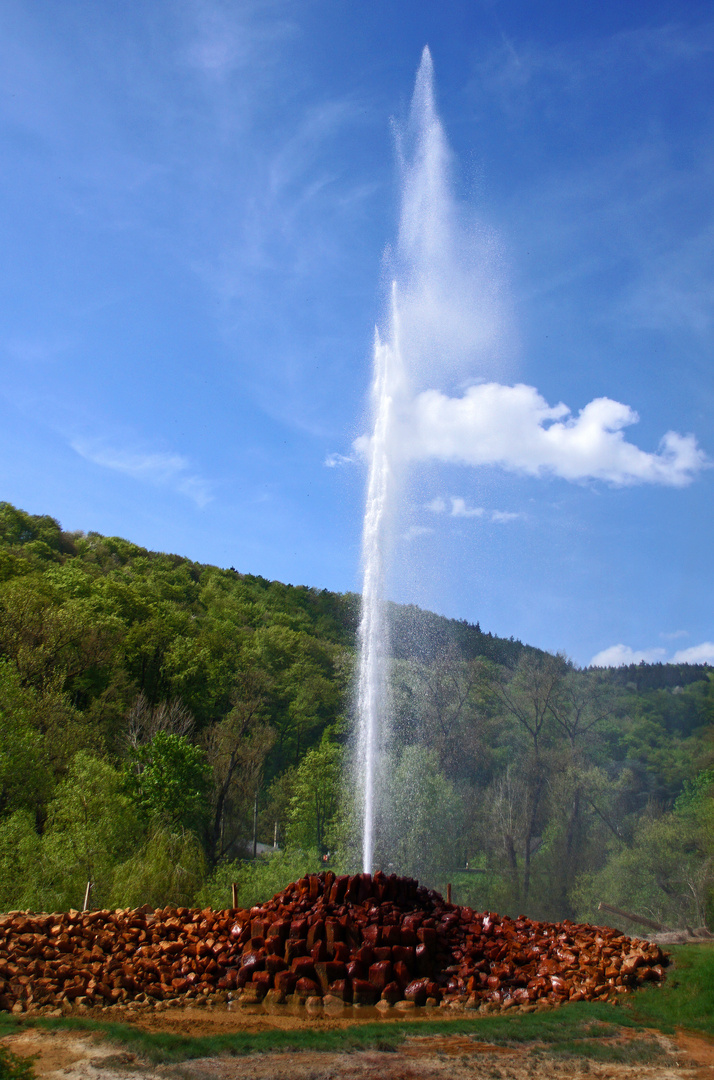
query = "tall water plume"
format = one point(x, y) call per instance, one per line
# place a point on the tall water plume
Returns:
point(442, 316)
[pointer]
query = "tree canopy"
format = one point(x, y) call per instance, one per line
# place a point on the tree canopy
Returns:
point(161, 718)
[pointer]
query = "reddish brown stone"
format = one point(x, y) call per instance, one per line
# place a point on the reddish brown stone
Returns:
point(307, 988)
point(356, 969)
point(392, 992)
point(365, 955)
point(285, 982)
point(363, 993)
point(371, 935)
point(330, 972)
point(416, 991)
point(319, 952)
point(380, 974)
point(342, 989)
point(360, 923)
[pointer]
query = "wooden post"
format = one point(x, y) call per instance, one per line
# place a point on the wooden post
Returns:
point(234, 892)
point(448, 893)
point(86, 896)
point(255, 825)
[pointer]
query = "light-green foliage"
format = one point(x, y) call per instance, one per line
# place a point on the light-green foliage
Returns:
point(258, 880)
point(21, 877)
point(667, 871)
point(169, 781)
point(315, 797)
point(424, 817)
point(168, 869)
point(91, 827)
point(25, 779)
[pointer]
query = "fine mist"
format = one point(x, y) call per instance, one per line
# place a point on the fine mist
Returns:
point(444, 328)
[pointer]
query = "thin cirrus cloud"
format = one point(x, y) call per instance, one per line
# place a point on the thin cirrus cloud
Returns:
point(161, 469)
point(515, 428)
point(622, 655)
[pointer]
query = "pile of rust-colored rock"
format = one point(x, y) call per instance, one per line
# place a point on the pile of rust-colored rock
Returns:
point(357, 939)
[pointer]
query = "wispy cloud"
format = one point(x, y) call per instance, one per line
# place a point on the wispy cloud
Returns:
point(460, 509)
point(159, 468)
point(515, 428)
point(502, 517)
point(415, 531)
point(335, 461)
point(532, 74)
point(228, 38)
point(622, 655)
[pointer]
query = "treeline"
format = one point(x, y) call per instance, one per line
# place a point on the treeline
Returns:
point(162, 719)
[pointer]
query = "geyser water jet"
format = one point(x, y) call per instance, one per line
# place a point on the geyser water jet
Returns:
point(442, 316)
point(373, 631)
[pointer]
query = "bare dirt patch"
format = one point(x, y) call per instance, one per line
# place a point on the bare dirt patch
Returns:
point(68, 1056)
point(65, 1055)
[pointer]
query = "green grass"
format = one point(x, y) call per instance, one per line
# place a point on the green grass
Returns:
point(685, 999)
point(586, 1030)
point(641, 1051)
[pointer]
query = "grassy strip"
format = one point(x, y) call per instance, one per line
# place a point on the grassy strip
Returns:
point(585, 1029)
point(641, 1051)
point(564, 1027)
point(685, 999)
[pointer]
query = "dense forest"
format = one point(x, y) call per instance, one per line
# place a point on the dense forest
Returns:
point(167, 728)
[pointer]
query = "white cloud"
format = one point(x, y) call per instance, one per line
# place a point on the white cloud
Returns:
point(334, 461)
point(674, 635)
point(460, 509)
point(695, 654)
point(515, 428)
point(162, 469)
point(619, 655)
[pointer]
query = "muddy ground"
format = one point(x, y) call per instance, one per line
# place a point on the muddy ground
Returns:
point(83, 1056)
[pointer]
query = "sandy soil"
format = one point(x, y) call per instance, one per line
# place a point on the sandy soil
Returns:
point(62, 1055)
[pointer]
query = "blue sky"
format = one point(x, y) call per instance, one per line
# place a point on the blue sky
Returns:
point(195, 199)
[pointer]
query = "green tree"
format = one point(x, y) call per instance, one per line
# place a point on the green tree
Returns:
point(25, 775)
point(169, 781)
point(22, 880)
point(91, 827)
point(315, 797)
point(421, 836)
point(258, 880)
point(167, 869)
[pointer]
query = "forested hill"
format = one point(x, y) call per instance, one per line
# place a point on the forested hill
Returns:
point(159, 718)
point(103, 619)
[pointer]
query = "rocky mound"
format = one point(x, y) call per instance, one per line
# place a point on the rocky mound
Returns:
point(358, 939)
